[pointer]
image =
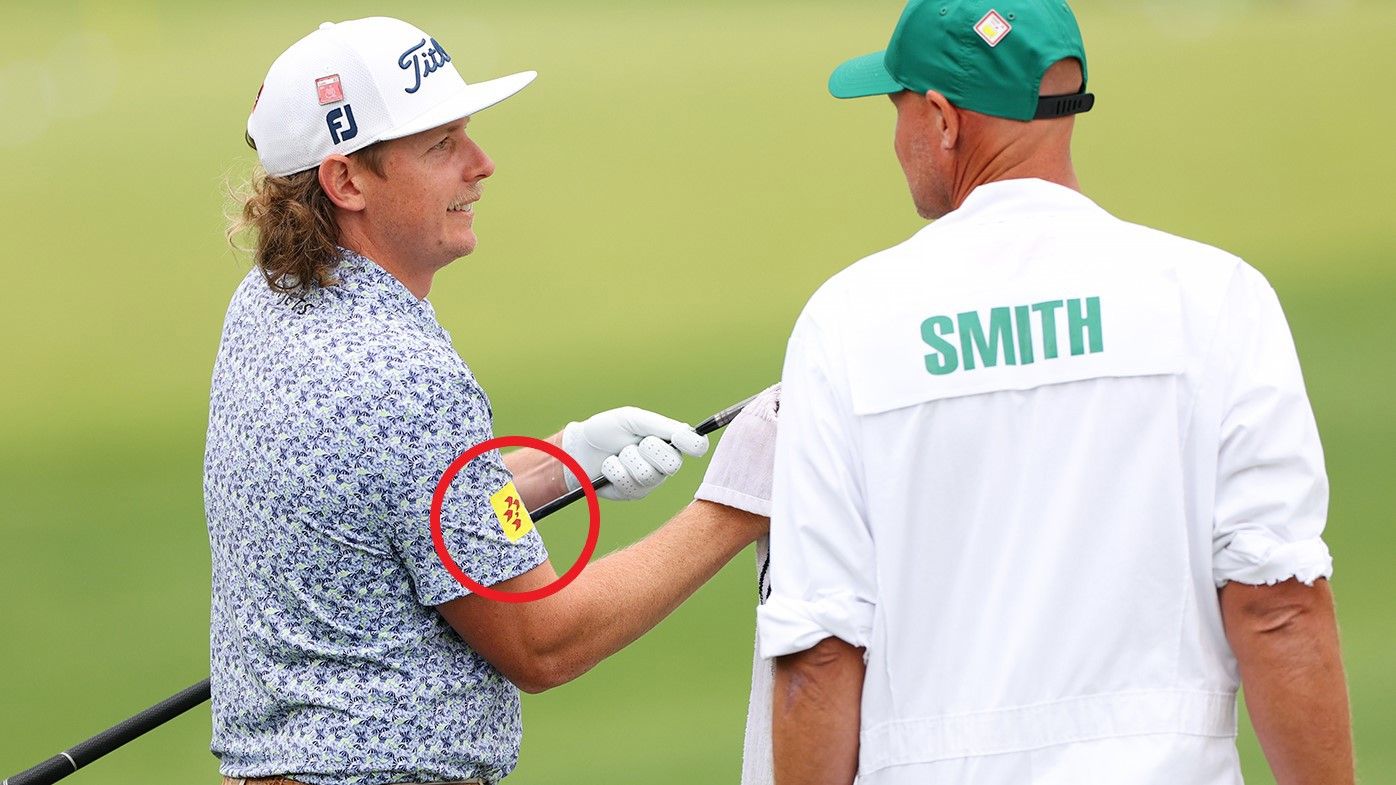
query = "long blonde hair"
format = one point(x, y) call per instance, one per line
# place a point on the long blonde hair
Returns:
point(293, 220)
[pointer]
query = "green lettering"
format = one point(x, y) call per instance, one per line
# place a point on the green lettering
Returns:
point(1084, 325)
point(1009, 337)
point(943, 359)
point(1049, 327)
point(1022, 318)
point(972, 338)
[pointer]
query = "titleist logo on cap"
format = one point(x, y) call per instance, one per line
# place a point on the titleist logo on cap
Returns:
point(422, 62)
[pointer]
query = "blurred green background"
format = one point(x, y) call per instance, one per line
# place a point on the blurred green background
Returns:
point(664, 147)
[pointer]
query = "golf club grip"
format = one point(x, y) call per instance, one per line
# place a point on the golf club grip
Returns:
point(724, 417)
point(719, 420)
point(65, 763)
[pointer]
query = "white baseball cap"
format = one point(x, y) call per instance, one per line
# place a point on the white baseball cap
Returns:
point(350, 84)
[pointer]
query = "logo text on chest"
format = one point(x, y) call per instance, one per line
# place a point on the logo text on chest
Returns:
point(1012, 335)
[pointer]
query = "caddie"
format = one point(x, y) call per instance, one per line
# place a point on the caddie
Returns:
point(343, 651)
point(1048, 486)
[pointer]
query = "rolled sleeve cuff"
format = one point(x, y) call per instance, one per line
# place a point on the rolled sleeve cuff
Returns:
point(733, 498)
point(440, 586)
point(1257, 558)
point(786, 626)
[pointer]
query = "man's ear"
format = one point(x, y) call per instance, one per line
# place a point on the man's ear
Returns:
point(339, 179)
point(945, 119)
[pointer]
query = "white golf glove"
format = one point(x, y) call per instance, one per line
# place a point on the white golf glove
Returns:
point(740, 473)
point(627, 445)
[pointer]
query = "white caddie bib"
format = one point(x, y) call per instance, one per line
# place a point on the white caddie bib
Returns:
point(1026, 334)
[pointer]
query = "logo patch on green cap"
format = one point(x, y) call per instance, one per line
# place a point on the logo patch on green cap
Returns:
point(933, 48)
point(993, 28)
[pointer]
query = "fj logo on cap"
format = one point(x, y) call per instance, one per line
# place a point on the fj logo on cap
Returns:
point(992, 28)
point(341, 123)
point(329, 89)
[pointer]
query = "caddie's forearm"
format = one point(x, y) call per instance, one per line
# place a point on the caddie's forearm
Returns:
point(622, 596)
point(537, 475)
point(1285, 638)
point(816, 709)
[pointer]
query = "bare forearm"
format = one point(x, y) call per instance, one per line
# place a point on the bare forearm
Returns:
point(622, 596)
point(816, 712)
point(1285, 638)
point(538, 476)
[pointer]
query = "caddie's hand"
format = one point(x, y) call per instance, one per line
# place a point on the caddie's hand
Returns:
point(740, 472)
point(627, 445)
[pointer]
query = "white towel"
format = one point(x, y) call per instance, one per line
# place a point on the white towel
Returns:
point(757, 766)
point(739, 475)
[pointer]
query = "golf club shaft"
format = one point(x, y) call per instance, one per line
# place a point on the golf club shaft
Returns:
point(70, 760)
point(74, 758)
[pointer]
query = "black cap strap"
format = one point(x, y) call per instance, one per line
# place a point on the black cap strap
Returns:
point(1062, 105)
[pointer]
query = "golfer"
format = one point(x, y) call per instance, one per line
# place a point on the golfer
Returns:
point(1047, 484)
point(343, 652)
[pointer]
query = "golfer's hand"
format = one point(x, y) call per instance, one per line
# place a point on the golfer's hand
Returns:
point(628, 445)
point(739, 475)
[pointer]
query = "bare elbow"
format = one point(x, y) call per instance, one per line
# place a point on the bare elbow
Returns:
point(529, 679)
point(526, 646)
point(540, 673)
point(531, 686)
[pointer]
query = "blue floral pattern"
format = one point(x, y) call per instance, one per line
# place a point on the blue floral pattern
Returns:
point(331, 419)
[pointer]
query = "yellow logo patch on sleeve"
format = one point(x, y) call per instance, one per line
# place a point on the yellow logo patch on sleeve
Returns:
point(513, 516)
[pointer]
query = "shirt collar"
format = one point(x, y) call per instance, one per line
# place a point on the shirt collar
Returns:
point(360, 276)
point(1003, 199)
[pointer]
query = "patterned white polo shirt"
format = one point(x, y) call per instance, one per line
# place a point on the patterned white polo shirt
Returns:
point(331, 419)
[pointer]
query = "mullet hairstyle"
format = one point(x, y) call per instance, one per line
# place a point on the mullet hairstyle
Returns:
point(296, 236)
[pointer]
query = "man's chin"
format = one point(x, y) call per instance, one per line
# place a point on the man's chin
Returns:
point(462, 249)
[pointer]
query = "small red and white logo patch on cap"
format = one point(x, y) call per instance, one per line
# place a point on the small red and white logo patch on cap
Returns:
point(329, 89)
point(992, 28)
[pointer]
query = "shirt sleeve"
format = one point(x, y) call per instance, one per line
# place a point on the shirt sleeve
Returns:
point(438, 413)
point(822, 560)
point(1272, 490)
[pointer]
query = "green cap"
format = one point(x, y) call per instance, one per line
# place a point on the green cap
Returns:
point(988, 57)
